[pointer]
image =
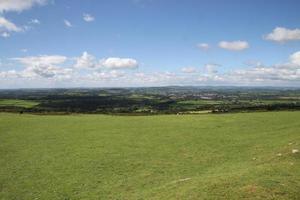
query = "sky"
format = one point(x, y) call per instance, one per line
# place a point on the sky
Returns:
point(136, 43)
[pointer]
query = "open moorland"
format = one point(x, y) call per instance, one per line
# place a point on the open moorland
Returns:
point(207, 156)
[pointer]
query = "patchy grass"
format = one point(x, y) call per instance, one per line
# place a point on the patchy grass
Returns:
point(229, 156)
point(18, 103)
point(200, 102)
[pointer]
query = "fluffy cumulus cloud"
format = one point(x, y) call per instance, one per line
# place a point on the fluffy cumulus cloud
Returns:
point(57, 70)
point(19, 5)
point(43, 66)
point(86, 61)
point(234, 45)
point(285, 73)
point(109, 72)
point(282, 74)
point(47, 71)
point(274, 75)
point(281, 35)
point(189, 69)
point(88, 17)
point(119, 63)
point(295, 58)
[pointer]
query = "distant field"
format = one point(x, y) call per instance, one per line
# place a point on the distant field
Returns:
point(18, 103)
point(225, 156)
point(200, 102)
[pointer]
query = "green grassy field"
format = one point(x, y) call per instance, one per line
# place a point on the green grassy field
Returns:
point(18, 103)
point(229, 156)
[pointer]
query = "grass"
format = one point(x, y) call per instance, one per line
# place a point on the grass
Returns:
point(18, 103)
point(230, 156)
point(270, 101)
point(196, 104)
point(200, 102)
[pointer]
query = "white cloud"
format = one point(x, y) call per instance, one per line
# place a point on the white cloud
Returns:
point(19, 5)
point(42, 60)
point(7, 26)
point(211, 68)
point(234, 45)
point(88, 18)
point(189, 70)
point(40, 70)
point(264, 75)
point(107, 75)
point(43, 66)
point(295, 58)
point(5, 34)
point(287, 73)
point(86, 61)
point(119, 63)
point(46, 71)
point(24, 50)
point(34, 21)
point(67, 23)
point(9, 74)
point(281, 34)
point(203, 46)
point(156, 79)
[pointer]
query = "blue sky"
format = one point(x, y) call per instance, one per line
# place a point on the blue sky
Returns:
point(48, 43)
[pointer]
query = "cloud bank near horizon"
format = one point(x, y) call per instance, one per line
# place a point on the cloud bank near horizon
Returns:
point(87, 70)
